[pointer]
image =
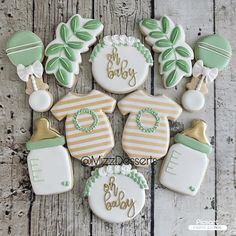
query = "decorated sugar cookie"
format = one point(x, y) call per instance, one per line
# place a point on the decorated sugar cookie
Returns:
point(146, 132)
point(88, 130)
point(213, 54)
point(64, 52)
point(49, 162)
point(116, 193)
point(168, 39)
point(120, 64)
point(25, 50)
point(185, 165)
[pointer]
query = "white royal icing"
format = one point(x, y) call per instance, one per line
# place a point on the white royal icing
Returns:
point(50, 170)
point(120, 64)
point(183, 169)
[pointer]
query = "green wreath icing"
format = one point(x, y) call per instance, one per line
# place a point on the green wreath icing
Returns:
point(169, 40)
point(149, 111)
point(85, 111)
point(122, 40)
point(115, 169)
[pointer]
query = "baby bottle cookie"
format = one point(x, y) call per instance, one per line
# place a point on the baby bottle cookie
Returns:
point(64, 52)
point(146, 133)
point(120, 64)
point(185, 165)
point(25, 50)
point(88, 130)
point(168, 39)
point(116, 193)
point(213, 54)
point(49, 162)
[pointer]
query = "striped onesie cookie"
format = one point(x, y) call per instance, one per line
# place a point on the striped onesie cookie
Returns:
point(88, 130)
point(146, 132)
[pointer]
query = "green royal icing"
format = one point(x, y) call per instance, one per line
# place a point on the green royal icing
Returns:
point(63, 56)
point(85, 111)
point(193, 143)
point(176, 59)
point(214, 50)
point(137, 44)
point(149, 111)
point(45, 143)
point(133, 174)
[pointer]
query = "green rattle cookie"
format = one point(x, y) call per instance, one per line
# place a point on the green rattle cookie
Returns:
point(214, 50)
point(24, 47)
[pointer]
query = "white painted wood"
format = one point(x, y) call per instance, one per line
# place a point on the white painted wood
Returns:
point(165, 213)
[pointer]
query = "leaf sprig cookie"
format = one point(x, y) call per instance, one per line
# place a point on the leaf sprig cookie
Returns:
point(72, 39)
point(168, 39)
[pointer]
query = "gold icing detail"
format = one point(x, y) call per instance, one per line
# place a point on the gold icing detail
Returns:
point(110, 191)
point(40, 85)
point(43, 130)
point(197, 131)
point(192, 85)
point(121, 70)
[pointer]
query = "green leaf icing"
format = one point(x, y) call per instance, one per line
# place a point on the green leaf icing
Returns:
point(115, 170)
point(62, 76)
point(125, 41)
point(169, 40)
point(84, 36)
point(64, 53)
point(92, 24)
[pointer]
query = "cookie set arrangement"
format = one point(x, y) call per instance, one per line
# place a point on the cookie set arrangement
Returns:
point(120, 65)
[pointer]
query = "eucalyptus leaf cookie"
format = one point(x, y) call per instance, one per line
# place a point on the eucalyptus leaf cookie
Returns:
point(116, 193)
point(168, 39)
point(120, 64)
point(64, 52)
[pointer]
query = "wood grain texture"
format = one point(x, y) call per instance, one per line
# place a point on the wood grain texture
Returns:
point(166, 213)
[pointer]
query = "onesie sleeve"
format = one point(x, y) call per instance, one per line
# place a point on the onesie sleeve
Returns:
point(60, 109)
point(172, 109)
point(108, 105)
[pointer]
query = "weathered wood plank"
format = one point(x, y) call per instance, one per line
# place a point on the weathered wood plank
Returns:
point(122, 17)
point(14, 126)
point(225, 105)
point(174, 212)
point(64, 214)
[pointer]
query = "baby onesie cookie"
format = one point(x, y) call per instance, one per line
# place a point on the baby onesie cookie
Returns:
point(49, 162)
point(64, 52)
point(120, 64)
point(25, 50)
point(88, 130)
point(213, 54)
point(185, 165)
point(175, 54)
point(116, 193)
point(146, 132)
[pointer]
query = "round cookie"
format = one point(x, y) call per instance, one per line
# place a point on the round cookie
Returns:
point(116, 193)
point(193, 100)
point(214, 50)
point(40, 100)
point(24, 47)
point(120, 64)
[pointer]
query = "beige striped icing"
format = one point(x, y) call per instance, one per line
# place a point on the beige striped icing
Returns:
point(137, 143)
point(97, 142)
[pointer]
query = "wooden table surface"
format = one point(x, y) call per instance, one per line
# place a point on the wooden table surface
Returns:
point(166, 213)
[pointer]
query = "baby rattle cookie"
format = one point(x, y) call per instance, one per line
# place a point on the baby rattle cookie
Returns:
point(146, 133)
point(120, 64)
point(213, 54)
point(175, 54)
point(116, 193)
point(25, 50)
point(64, 52)
point(88, 130)
point(49, 162)
point(185, 165)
